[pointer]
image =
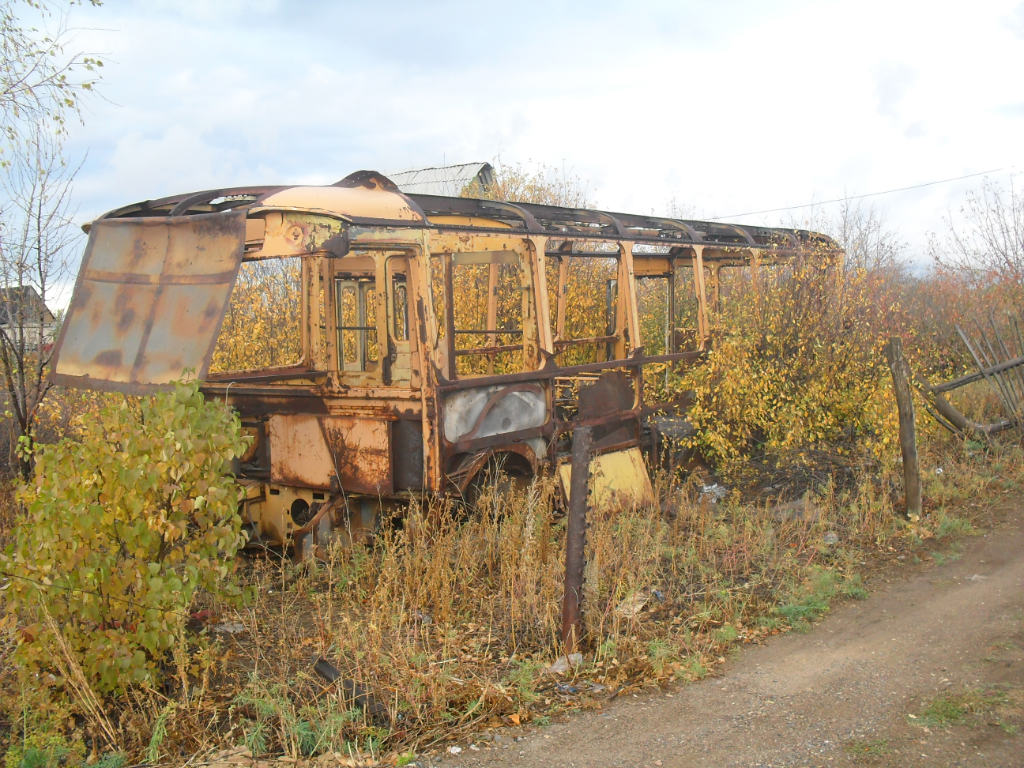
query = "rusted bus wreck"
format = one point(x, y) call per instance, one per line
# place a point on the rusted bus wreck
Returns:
point(418, 340)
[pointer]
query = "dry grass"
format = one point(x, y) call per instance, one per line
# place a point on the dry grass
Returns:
point(441, 627)
point(449, 627)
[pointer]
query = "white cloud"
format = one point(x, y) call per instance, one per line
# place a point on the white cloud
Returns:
point(724, 110)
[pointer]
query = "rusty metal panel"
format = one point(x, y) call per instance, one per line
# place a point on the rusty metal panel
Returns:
point(298, 451)
point(149, 300)
point(408, 449)
point(362, 452)
point(618, 480)
point(612, 391)
point(323, 451)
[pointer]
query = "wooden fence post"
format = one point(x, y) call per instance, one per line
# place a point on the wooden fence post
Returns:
point(908, 438)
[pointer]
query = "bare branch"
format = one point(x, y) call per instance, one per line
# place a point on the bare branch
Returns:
point(36, 240)
point(985, 243)
point(40, 81)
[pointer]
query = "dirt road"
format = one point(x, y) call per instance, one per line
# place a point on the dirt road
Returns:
point(928, 671)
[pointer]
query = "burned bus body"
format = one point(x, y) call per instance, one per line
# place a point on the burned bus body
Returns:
point(416, 341)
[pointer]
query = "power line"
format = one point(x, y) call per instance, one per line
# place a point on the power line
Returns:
point(860, 197)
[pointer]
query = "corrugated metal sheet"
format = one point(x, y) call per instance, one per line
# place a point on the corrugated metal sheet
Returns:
point(448, 180)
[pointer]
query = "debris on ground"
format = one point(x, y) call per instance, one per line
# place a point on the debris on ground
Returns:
point(564, 663)
point(713, 493)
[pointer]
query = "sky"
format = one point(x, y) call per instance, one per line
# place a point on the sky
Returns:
point(709, 109)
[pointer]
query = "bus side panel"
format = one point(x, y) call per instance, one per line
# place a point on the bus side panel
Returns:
point(325, 451)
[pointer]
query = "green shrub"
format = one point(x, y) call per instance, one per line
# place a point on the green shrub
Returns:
point(119, 531)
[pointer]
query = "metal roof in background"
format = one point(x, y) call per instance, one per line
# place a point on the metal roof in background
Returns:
point(448, 180)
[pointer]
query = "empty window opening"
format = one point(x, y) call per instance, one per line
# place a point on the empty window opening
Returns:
point(488, 293)
point(583, 295)
point(652, 300)
point(263, 322)
point(687, 323)
point(399, 308)
point(356, 302)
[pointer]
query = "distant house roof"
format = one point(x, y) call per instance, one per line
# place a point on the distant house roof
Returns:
point(23, 301)
point(449, 180)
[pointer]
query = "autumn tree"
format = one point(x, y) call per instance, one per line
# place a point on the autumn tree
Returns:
point(867, 240)
point(985, 243)
point(122, 529)
point(35, 246)
point(796, 378)
point(40, 80)
point(40, 87)
point(543, 184)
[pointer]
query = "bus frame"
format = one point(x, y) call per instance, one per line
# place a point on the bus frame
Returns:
point(404, 399)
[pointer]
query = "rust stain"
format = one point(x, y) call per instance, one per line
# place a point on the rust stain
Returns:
point(362, 453)
point(110, 358)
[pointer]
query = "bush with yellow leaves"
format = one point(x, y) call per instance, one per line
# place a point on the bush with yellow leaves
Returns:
point(120, 531)
point(797, 369)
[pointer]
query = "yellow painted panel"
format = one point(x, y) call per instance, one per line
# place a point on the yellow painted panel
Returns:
point(346, 201)
point(468, 221)
point(617, 479)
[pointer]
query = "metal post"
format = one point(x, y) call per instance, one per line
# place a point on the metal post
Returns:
point(575, 541)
